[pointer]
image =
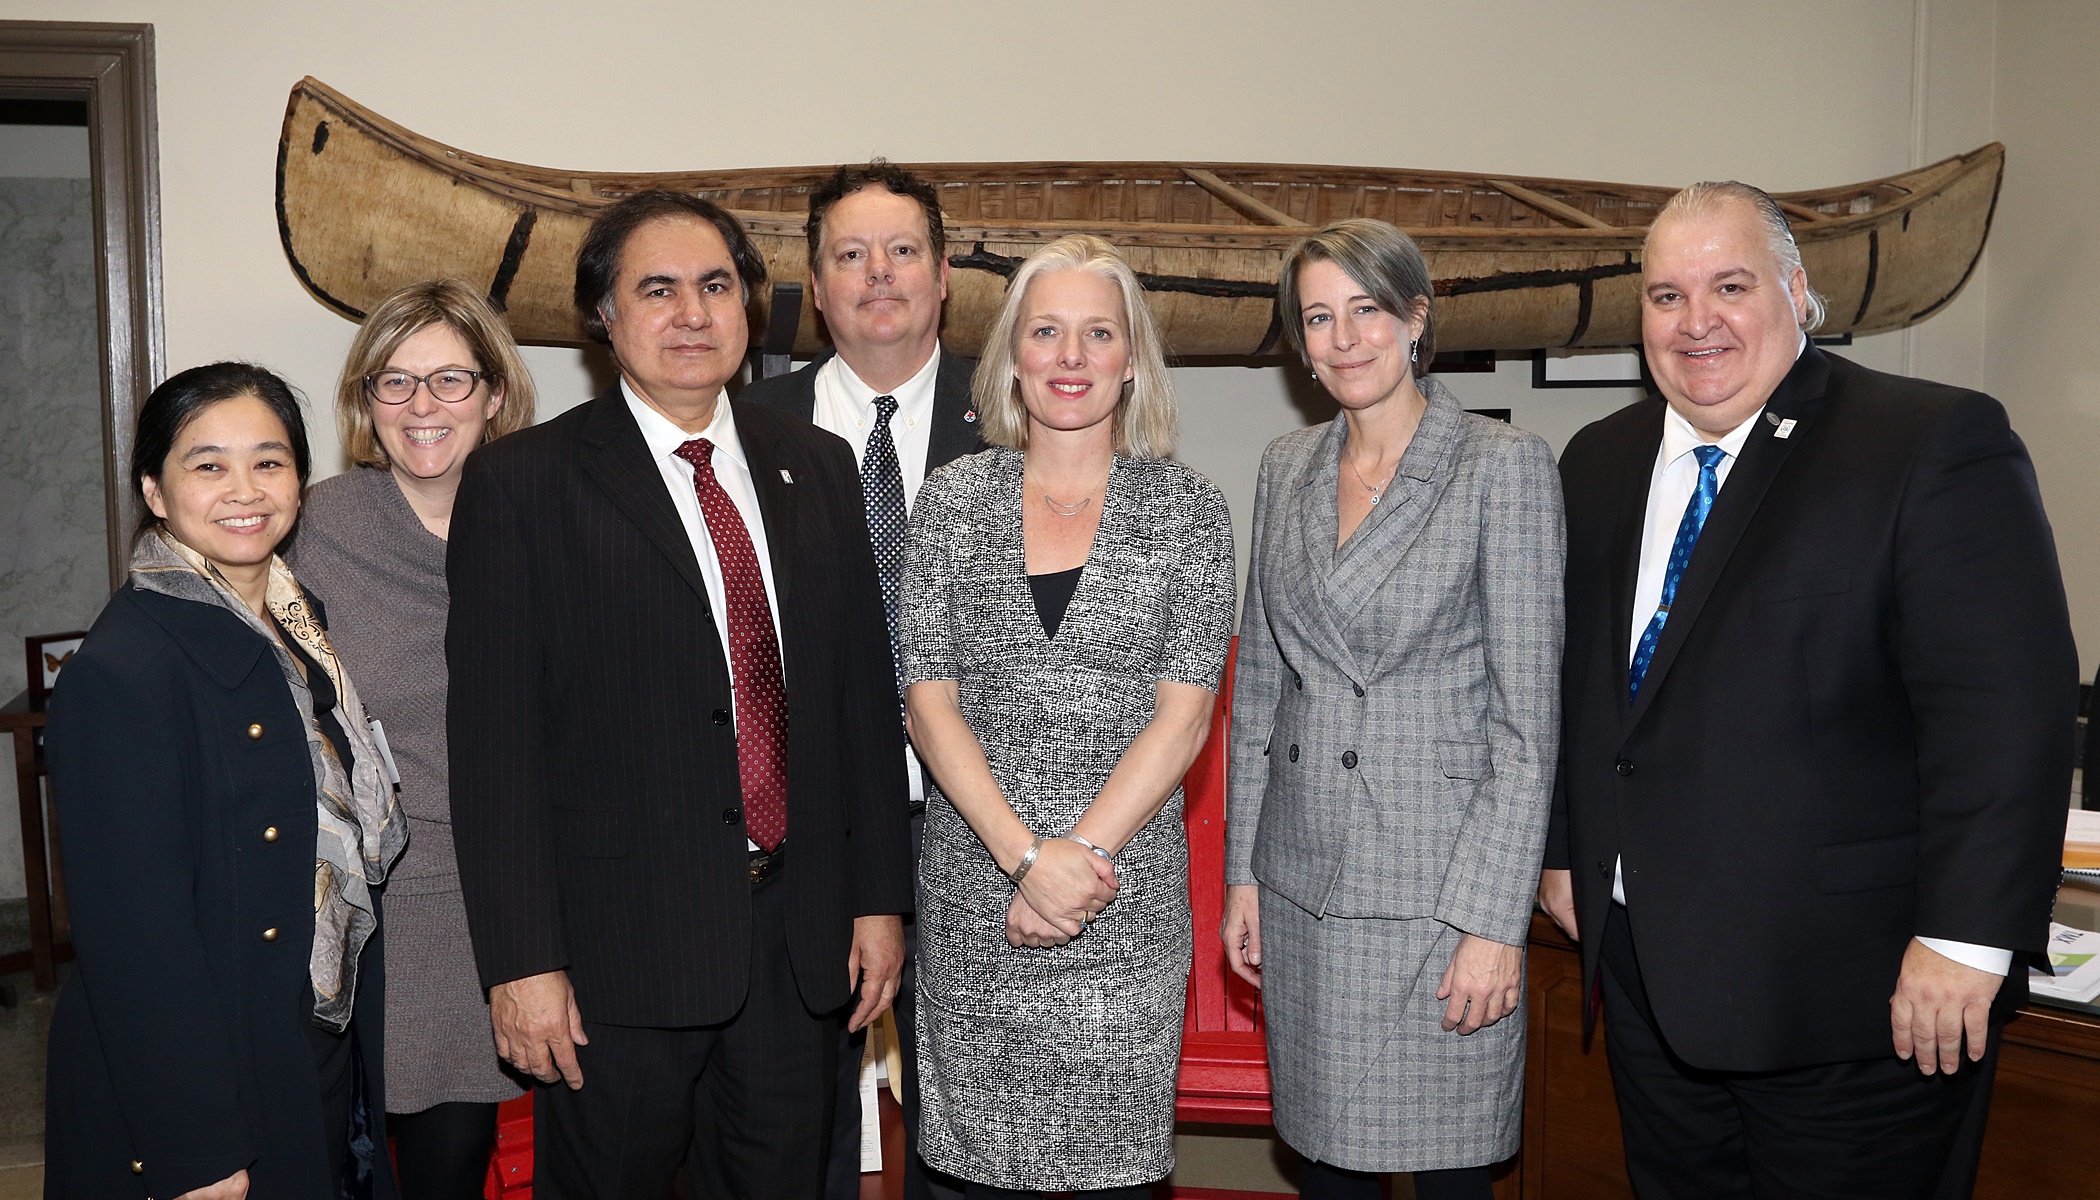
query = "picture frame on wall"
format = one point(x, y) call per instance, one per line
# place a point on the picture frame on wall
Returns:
point(45, 655)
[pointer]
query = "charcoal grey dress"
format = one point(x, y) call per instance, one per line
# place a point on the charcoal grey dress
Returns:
point(1053, 1069)
point(381, 576)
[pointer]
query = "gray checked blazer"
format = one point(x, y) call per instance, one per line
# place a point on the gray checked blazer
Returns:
point(1396, 707)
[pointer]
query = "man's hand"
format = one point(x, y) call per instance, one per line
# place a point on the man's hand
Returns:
point(233, 1187)
point(876, 965)
point(1481, 982)
point(1937, 1000)
point(1557, 897)
point(538, 1027)
point(1241, 930)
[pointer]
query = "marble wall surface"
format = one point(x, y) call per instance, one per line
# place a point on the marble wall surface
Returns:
point(54, 572)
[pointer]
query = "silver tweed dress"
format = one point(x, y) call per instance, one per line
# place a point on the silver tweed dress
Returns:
point(1053, 1069)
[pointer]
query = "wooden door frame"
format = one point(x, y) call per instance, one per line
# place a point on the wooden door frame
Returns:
point(110, 66)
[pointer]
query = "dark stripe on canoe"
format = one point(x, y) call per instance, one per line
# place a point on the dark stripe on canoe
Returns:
point(1585, 296)
point(513, 254)
point(1270, 336)
point(320, 135)
point(1988, 219)
point(1866, 294)
point(1516, 281)
point(284, 236)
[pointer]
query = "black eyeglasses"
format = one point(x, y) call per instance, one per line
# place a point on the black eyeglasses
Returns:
point(451, 385)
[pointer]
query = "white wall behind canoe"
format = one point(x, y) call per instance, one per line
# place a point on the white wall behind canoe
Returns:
point(1785, 93)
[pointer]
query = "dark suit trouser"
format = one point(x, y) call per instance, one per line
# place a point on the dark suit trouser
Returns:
point(765, 1076)
point(1847, 1131)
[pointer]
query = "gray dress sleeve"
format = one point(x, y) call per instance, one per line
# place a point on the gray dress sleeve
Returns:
point(1199, 615)
point(926, 644)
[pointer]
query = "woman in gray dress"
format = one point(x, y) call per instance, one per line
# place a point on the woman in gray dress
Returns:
point(431, 375)
point(1395, 722)
point(1067, 607)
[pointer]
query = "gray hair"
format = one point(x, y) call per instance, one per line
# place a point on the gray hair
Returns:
point(1383, 261)
point(1707, 198)
point(1144, 419)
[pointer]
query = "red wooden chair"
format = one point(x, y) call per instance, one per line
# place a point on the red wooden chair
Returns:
point(1224, 1059)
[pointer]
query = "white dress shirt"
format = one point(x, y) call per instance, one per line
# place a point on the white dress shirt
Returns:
point(733, 472)
point(846, 407)
point(1670, 489)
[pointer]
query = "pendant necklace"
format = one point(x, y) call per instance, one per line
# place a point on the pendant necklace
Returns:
point(1060, 507)
point(1376, 492)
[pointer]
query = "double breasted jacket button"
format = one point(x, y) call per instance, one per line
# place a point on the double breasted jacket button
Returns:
point(731, 816)
point(1604, 868)
point(270, 834)
point(1300, 681)
point(720, 716)
point(1623, 767)
point(255, 732)
point(1359, 690)
point(1294, 752)
point(270, 934)
point(1349, 760)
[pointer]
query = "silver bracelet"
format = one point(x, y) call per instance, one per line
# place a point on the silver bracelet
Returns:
point(1073, 837)
point(1020, 870)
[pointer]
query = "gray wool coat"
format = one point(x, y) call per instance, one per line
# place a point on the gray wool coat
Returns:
point(1395, 729)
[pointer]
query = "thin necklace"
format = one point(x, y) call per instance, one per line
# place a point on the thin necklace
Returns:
point(1060, 507)
point(1379, 491)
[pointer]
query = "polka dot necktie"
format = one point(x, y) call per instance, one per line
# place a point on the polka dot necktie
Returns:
point(1695, 511)
point(754, 656)
point(882, 489)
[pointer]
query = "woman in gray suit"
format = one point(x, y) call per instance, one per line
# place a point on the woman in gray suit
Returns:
point(1395, 723)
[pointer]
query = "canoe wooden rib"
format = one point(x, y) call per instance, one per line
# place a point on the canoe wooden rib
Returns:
point(365, 206)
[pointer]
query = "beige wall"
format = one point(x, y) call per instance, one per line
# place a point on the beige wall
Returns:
point(1810, 93)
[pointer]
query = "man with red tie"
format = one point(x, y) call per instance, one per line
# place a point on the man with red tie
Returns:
point(676, 766)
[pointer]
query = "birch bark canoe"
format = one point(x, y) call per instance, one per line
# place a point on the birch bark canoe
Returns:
point(365, 206)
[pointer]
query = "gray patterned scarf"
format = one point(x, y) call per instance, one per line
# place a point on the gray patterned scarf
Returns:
point(361, 830)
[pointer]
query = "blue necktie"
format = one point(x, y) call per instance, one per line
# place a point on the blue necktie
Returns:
point(1695, 511)
point(882, 489)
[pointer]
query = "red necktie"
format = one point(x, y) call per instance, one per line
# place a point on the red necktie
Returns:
point(754, 656)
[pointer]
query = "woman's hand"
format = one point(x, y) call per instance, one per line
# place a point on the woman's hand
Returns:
point(233, 1187)
point(1068, 885)
point(1241, 930)
point(1481, 984)
point(1026, 927)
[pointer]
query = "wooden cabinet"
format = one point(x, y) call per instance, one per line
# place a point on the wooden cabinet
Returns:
point(2044, 1112)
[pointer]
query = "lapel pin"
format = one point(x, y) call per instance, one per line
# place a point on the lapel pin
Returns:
point(970, 417)
point(787, 478)
point(1786, 429)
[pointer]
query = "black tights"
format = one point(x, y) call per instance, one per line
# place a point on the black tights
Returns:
point(442, 1153)
point(1324, 1182)
point(985, 1191)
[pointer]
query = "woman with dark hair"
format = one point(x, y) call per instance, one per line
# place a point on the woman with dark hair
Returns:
point(432, 375)
point(228, 821)
point(1395, 721)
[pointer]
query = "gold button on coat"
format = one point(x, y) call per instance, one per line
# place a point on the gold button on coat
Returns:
point(270, 834)
point(137, 1167)
point(255, 733)
point(270, 934)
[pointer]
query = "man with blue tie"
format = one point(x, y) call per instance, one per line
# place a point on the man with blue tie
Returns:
point(1819, 695)
point(879, 275)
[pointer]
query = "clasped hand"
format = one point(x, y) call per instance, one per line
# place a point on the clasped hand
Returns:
point(1067, 887)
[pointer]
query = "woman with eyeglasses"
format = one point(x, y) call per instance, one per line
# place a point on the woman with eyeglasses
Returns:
point(433, 374)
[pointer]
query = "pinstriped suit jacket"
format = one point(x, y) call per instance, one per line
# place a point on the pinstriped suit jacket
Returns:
point(1396, 709)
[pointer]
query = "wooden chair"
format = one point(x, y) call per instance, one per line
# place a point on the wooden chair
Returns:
point(1224, 1075)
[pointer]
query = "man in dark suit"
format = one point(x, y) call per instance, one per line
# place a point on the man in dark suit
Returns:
point(1819, 696)
point(677, 776)
point(878, 274)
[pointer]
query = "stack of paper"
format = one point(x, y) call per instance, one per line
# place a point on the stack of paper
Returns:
point(2082, 844)
point(2075, 953)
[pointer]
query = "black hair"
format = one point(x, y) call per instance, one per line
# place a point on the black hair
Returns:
point(853, 177)
point(179, 400)
point(598, 259)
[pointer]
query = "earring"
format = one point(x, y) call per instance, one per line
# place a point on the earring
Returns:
point(1414, 355)
point(1316, 376)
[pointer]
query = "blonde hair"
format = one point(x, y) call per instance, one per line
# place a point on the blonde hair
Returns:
point(1710, 197)
point(1144, 418)
point(401, 316)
